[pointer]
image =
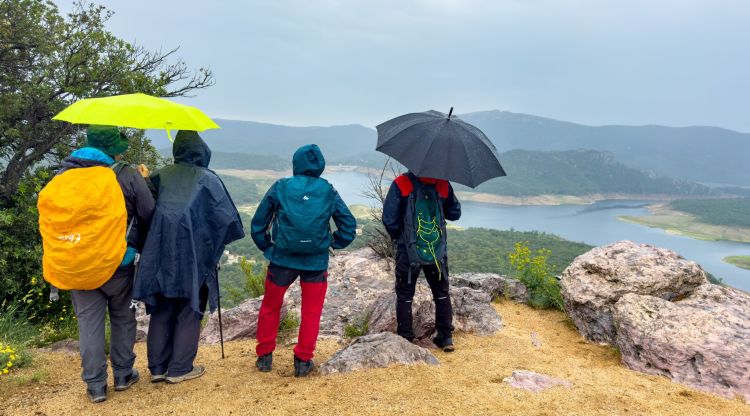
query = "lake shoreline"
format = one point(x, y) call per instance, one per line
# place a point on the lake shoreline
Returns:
point(680, 223)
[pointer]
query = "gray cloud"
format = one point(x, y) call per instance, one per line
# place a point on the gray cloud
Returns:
point(330, 62)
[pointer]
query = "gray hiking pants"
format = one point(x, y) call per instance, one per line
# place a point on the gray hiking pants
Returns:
point(90, 307)
point(173, 333)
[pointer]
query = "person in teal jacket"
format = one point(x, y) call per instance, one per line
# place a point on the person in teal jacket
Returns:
point(292, 228)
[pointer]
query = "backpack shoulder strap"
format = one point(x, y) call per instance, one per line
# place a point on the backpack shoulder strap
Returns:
point(117, 167)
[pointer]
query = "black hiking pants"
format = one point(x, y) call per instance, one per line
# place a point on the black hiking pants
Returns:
point(405, 290)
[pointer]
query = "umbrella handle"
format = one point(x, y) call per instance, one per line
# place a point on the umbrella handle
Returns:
point(169, 136)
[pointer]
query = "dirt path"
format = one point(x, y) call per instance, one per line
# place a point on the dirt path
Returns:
point(468, 382)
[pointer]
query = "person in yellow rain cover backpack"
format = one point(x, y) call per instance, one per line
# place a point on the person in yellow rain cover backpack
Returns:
point(93, 217)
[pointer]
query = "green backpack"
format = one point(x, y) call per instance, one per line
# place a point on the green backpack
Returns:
point(424, 227)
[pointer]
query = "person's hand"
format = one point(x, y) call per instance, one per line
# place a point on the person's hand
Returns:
point(143, 170)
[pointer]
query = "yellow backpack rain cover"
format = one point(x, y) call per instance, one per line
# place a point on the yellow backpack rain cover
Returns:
point(82, 219)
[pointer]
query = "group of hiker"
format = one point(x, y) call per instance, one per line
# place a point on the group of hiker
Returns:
point(115, 234)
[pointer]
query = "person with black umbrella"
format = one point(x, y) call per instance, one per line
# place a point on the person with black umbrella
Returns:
point(414, 214)
point(436, 148)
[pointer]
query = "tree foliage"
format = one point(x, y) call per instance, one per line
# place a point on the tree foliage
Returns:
point(48, 61)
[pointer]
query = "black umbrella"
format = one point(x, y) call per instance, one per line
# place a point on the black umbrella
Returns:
point(435, 145)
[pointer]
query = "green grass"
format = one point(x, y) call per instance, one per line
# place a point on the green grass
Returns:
point(288, 325)
point(739, 261)
point(357, 327)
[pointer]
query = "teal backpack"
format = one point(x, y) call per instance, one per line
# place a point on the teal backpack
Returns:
point(302, 222)
point(424, 227)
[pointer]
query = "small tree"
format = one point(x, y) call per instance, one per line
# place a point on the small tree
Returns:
point(377, 237)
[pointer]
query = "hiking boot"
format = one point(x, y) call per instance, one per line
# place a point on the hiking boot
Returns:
point(124, 383)
point(445, 344)
point(265, 362)
point(158, 378)
point(196, 372)
point(302, 368)
point(97, 394)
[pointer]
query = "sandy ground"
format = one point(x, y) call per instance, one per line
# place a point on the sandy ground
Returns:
point(467, 382)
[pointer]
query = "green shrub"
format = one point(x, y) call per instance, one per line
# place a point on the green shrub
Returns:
point(289, 324)
point(255, 278)
point(358, 327)
point(534, 272)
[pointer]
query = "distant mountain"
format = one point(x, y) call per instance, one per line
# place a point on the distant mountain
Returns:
point(581, 172)
point(702, 154)
point(269, 139)
point(531, 173)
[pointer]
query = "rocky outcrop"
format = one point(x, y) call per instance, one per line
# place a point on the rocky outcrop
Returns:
point(377, 351)
point(355, 280)
point(66, 346)
point(494, 285)
point(472, 312)
point(142, 320)
point(534, 382)
point(596, 280)
point(702, 341)
point(240, 322)
point(663, 316)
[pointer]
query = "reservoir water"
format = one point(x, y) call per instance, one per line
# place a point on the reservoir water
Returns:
point(595, 224)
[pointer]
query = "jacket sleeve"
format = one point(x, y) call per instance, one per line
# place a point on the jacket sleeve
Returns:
point(262, 219)
point(393, 211)
point(451, 206)
point(345, 222)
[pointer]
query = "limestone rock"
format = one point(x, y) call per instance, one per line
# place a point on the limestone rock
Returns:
point(240, 322)
point(494, 285)
point(534, 382)
point(597, 279)
point(702, 341)
point(355, 280)
point(472, 312)
point(67, 346)
point(142, 320)
point(377, 351)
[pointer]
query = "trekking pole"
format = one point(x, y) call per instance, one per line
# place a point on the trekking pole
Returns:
point(218, 306)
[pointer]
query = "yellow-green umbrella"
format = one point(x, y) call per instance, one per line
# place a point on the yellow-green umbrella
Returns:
point(139, 111)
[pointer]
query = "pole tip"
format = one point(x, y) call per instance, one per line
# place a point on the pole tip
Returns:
point(450, 112)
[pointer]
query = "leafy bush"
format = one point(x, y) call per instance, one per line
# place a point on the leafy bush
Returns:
point(289, 324)
point(358, 327)
point(533, 271)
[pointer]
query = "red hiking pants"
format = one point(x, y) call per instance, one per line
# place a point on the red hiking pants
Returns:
point(278, 280)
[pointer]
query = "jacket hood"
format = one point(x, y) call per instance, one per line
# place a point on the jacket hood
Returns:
point(188, 147)
point(308, 160)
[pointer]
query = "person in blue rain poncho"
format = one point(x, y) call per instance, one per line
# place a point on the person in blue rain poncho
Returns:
point(194, 219)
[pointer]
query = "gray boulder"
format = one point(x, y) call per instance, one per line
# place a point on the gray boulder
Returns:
point(377, 351)
point(596, 280)
point(355, 280)
point(142, 320)
point(702, 341)
point(240, 322)
point(534, 382)
point(494, 285)
point(472, 312)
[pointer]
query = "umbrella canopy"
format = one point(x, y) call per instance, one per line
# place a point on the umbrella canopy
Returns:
point(435, 145)
point(139, 111)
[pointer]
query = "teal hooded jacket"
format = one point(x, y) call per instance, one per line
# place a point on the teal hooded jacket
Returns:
point(308, 164)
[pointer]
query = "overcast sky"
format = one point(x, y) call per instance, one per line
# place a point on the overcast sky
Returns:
point(324, 62)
